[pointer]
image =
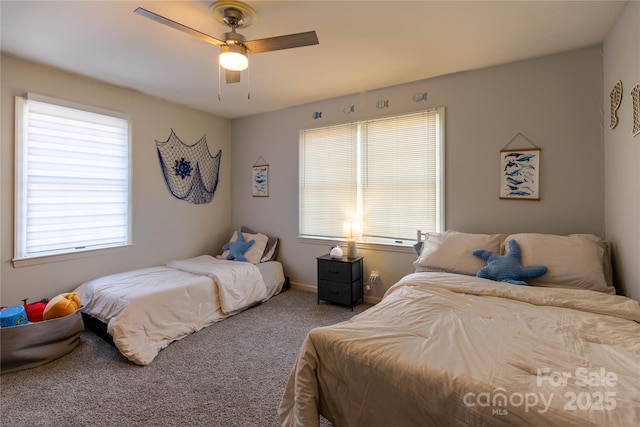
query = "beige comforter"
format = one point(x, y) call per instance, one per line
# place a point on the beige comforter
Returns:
point(444, 349)
point(147, 309)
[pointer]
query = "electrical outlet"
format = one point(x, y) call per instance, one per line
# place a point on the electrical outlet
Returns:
point(374, 281)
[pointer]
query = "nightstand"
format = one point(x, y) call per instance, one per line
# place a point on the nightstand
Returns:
point(340, 280)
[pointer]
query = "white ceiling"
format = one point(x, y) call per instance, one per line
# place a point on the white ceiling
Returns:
point(364, 45)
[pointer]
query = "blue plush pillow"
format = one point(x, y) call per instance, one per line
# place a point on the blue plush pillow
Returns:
point(507, 268)
point(238, 248)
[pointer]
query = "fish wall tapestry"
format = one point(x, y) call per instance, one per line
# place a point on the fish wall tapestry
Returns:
point(519, 174)
point(260, 179)
point(190, 171)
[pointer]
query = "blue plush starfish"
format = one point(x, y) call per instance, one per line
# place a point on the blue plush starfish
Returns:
point(237, 248)
point(507, 268)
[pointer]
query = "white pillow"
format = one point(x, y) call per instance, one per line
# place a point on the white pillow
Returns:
point(574, 261)
point(254, 253)
point(606, 262)
point(451, 252)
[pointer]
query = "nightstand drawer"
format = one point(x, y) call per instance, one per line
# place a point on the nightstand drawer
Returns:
point(334, 271)
point(334, 292)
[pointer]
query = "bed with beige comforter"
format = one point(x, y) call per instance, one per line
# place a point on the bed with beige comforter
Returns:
point(144, 310)
point(446, 349)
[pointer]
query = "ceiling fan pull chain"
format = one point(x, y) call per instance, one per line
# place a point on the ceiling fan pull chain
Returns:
point(248, 80)
point(219, 84)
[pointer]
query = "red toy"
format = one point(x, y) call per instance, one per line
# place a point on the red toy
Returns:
point(35, 309)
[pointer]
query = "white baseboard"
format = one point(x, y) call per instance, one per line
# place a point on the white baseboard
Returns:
point(314, 289)
point(303, 287)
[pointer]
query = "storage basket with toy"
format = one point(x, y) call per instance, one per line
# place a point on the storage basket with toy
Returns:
point(38, 333)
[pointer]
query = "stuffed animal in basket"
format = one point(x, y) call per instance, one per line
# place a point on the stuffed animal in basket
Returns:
point(35, 309)
point(61, 305)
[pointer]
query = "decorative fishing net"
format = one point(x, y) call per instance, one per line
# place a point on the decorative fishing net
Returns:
point(190, 171)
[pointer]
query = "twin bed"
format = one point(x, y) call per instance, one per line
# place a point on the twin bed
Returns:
point(142, 311)
point(445, 347)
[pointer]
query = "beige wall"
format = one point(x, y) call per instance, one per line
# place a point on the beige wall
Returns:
point(163, 227)
point(622, 151)
point(555, 101)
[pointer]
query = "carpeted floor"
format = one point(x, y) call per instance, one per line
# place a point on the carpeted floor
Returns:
point(229, 374)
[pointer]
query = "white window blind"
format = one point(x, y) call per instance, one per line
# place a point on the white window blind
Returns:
point(387, 174)
point(328, 179)
point(72, 178)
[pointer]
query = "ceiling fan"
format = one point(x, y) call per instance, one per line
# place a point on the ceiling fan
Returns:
point(234, 47)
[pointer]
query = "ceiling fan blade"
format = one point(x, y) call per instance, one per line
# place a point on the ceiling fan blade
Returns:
point(173, 24)
point(232, 76)
point(282, 42)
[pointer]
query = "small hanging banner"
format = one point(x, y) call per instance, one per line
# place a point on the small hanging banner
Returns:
point(520, 171)
point(260, 179)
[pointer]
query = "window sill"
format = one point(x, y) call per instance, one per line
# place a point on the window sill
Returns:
point(25, 262)
point(405, 247)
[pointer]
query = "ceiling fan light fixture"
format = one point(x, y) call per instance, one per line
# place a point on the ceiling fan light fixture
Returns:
point(233, 57)
point(234, 48)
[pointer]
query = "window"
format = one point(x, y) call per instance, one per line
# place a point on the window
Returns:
point(72, 178)
point(385, 174)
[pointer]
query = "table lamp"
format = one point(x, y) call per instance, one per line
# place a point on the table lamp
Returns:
point(350, 230)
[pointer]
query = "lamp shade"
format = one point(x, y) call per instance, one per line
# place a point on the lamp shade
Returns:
point(233, 57)
point(351, 229)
